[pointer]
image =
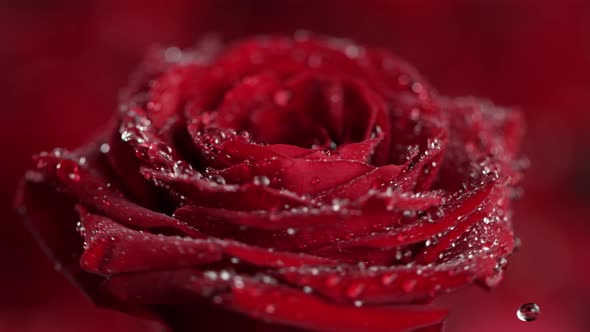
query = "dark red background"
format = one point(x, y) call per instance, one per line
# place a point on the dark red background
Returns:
point(62, 63)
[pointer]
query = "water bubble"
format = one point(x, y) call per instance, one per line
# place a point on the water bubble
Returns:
point(528, 312)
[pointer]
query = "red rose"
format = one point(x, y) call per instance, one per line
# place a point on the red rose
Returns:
point(303, 182)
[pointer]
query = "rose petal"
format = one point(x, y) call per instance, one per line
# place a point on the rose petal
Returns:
point(290, 307)
point(248, 197)
point(72, 178)
point(458, 212)
point(297, 175)
point(359, 186)
point(111, 248)
point(387, 285)
point(315, 229)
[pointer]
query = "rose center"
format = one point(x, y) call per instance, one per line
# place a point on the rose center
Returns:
point(305, 110)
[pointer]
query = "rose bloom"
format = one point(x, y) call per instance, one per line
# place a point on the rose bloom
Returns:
point(281, 183)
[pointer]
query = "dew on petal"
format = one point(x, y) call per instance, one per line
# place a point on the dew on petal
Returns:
point(355, 290)
point(261, 180)
point(408, 285)
point(282, 98)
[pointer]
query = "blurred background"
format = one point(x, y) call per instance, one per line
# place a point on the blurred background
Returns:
point(62, 63)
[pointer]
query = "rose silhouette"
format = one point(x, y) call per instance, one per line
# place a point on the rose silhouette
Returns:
point(294, 183)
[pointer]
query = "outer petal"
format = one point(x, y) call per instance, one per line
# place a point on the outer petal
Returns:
point(111, 248)
point(396, 284)
point(69, 176)
point(295, 308)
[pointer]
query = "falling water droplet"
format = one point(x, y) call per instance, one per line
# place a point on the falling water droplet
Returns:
point(528, 312)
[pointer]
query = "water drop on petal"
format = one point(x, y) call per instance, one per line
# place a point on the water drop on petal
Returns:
point(388, 278)
point(332, 281)
point(282, 97)
point(270, 308)
point(355, 290)
point(261, 180)
point(408, 285)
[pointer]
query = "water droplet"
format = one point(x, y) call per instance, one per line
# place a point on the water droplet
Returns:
point(80, 227)
point(417, 88)
point(173, 54)
point(217, 179)
point(182, 167)
point(388, 278)
point(270, 308)
point(315, 180)
point(332, 281)
point(68, 170)
point(352, 51)
point(408, 285)
point(261, 180)
point(528, 312)
point(126, 136)
point(355, 290)
point(282, 97)
point(224, 275)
